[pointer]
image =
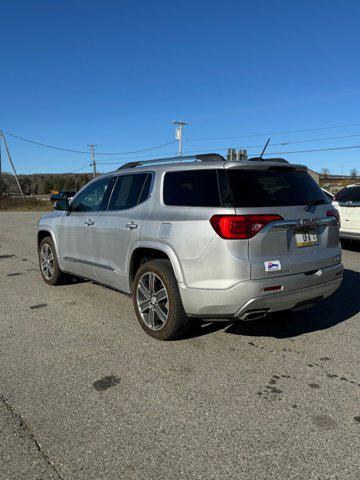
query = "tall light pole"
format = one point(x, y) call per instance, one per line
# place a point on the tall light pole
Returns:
point(92, 150)
point(180, 125)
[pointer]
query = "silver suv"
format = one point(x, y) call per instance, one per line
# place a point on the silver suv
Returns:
point(198, 237)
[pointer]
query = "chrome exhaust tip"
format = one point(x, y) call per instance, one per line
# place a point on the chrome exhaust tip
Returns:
point(254, 315)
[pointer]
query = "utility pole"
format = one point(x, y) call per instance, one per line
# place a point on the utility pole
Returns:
point(92, 150)
point(180, 125)
point(11, 163)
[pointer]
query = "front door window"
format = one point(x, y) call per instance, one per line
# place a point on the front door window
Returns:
point(90, 199)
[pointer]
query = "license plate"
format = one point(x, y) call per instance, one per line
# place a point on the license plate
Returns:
point(306, 237)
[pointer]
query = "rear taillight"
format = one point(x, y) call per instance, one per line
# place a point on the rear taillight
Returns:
point(334, 213)
point(240, 226)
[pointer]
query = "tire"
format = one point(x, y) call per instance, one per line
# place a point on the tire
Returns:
point(157, 301)
point(51, 273)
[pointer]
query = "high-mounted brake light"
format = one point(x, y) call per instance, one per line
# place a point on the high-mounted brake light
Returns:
point(334, 213)
point(240, 226)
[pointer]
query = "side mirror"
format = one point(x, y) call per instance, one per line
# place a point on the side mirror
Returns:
point(62, 204)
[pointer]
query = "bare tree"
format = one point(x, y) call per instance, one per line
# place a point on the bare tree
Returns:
point(325, 172)
point(353, 173)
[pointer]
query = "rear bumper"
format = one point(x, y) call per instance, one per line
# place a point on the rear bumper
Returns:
point(297, 291)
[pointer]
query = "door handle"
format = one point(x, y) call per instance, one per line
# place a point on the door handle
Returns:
point(88, 222)
point(131, 226)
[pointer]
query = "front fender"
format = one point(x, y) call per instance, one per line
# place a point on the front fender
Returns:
point(49, 229)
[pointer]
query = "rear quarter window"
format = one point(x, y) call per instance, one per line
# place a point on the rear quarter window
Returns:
point(192, 188)
point(273, 187)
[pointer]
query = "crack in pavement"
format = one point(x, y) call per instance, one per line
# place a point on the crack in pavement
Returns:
point(26, 429)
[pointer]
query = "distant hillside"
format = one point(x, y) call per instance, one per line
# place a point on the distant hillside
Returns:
point(42, 183)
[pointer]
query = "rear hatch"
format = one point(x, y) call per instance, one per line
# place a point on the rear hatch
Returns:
point(302, 235)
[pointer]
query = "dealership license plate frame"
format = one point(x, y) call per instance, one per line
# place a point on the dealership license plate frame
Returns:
point(306, 237)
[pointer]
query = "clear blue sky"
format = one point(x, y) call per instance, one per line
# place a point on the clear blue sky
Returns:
point(116, 72)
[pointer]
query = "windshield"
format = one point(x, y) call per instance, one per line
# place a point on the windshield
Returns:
point(273, 187)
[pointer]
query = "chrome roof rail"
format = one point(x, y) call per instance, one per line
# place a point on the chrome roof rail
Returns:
point(202, 158)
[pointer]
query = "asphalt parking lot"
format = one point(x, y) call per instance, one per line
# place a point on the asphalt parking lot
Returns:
point(86, 394)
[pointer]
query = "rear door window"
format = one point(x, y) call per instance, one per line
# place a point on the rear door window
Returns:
point(192, 188)
point(273, 187)
point(129, 191)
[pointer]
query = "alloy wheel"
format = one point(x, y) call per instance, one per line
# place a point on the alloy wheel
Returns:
point(152, 301)
point(47, 261)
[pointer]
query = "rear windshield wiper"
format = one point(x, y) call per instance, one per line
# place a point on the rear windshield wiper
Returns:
point(312, 203)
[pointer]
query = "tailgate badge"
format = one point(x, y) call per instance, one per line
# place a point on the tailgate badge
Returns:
point(272, 266)
point(306, 222)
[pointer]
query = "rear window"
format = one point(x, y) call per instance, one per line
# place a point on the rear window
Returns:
point(195, 188)
point(268, 188)
point(350, 194)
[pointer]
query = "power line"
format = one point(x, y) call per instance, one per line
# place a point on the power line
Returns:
point(277, 144)
point(317, 139)
point(224, 148)
point(284, 132)
point(139, 151)
point(347, 147)
point(86, 152)
point(306, 151)
point(214, 148)
point(81, 168)
point(314, 150)
point(45, 145)
point(142, 157)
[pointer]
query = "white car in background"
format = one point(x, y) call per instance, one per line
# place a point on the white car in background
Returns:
point(347, 201)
